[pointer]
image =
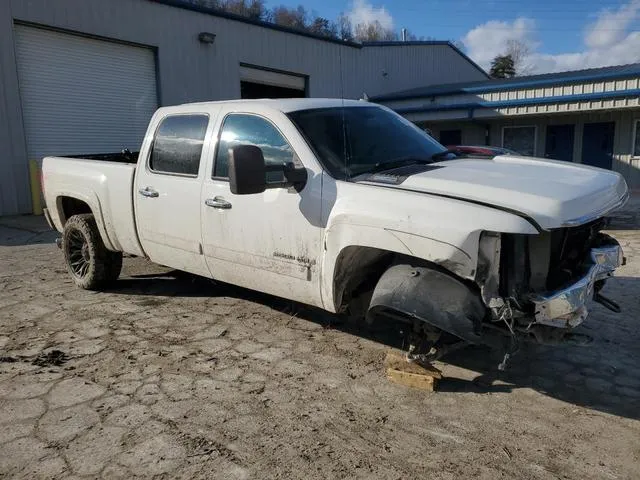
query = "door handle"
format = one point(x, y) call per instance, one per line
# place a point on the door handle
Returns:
point(217, 202)
point(148, 192)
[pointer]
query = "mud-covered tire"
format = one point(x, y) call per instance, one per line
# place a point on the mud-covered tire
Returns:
point(88, 261)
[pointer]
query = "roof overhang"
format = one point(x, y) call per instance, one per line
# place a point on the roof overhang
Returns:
point(585, 97)
point(620, 72)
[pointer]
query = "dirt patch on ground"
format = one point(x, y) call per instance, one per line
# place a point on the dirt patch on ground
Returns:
point(53, 358)
point(169, 378)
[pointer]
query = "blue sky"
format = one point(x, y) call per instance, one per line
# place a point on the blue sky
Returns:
point(561, 35)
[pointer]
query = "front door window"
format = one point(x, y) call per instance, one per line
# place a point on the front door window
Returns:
point(245, 129)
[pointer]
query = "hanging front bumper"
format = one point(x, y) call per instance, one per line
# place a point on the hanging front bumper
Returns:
point(566, 308)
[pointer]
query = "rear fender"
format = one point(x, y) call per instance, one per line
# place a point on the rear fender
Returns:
point(431, 296)
point(92, 200)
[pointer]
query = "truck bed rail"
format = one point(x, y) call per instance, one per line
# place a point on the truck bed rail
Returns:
point(121, 157)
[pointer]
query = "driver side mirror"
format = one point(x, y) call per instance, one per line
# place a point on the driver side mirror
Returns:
point(247, 170)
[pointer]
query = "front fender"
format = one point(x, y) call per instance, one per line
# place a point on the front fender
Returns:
point(430, 296)
point(341, 236)
point(448, 256)
point(441, 231)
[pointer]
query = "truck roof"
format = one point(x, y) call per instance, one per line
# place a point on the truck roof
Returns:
point(290, 104)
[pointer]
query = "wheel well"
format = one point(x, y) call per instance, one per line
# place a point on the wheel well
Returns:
point(357, 272)
point(69, 206)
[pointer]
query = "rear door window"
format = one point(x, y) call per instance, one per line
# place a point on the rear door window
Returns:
point(177, 146)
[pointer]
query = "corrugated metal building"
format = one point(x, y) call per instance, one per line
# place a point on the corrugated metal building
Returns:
point(587, 116)
point(84, 76)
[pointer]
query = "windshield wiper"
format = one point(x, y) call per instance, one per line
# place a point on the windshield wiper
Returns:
point(443, 154)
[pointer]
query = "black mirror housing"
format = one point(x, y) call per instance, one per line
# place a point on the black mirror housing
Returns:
point(295, 175)
point(247, 170)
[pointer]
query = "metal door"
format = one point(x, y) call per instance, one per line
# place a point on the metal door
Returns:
point(597, 144)
point(559, 143)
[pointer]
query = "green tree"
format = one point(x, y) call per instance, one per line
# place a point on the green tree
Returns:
point(502, 66)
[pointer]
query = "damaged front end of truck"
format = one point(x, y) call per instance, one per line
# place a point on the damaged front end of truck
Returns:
point(538, 286)
point(527, 288)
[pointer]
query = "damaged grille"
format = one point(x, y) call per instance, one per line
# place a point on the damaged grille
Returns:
point(545, 262)
point(568, 249)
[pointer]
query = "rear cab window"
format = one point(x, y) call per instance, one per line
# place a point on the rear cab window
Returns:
point(177, 146)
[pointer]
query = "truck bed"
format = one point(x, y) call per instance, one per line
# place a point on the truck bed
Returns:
point(105, 184)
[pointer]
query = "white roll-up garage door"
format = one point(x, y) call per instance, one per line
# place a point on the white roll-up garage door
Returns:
point(82, 95)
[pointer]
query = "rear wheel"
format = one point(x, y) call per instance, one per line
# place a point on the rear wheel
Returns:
point(88, 261)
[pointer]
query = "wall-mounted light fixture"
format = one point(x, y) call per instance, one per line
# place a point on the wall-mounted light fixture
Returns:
point(207, 37)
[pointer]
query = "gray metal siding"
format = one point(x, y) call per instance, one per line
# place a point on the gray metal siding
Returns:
point(15, 195)
point(189, 71)
point(407, 67)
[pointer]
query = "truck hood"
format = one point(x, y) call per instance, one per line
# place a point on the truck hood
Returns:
point(554, 194)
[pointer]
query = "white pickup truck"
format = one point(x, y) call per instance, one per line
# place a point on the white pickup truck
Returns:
point(349, 207)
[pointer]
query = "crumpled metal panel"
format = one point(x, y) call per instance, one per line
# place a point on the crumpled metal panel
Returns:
point(566, 307)
point(606, 260)
point(429, 296)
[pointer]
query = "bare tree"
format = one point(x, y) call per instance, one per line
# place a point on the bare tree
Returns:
point(373, 32)
point(322, 26)
point(302, 19)
point(290, 17)
point(412, 37)
point(207, 3)
point(345, 29)
point(254, 9)
point(520, 52)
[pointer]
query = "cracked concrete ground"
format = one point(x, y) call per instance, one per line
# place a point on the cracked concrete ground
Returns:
point(168, 376)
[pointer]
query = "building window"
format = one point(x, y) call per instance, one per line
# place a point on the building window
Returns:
point(636, 139)
point(450, 138)
point(246, 129)
point(177, 147)
point(520, 139)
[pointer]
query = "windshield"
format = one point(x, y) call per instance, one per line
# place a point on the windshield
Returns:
point(350, 141)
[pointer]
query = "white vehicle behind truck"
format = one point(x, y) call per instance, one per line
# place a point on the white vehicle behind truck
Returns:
point(349, 207)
